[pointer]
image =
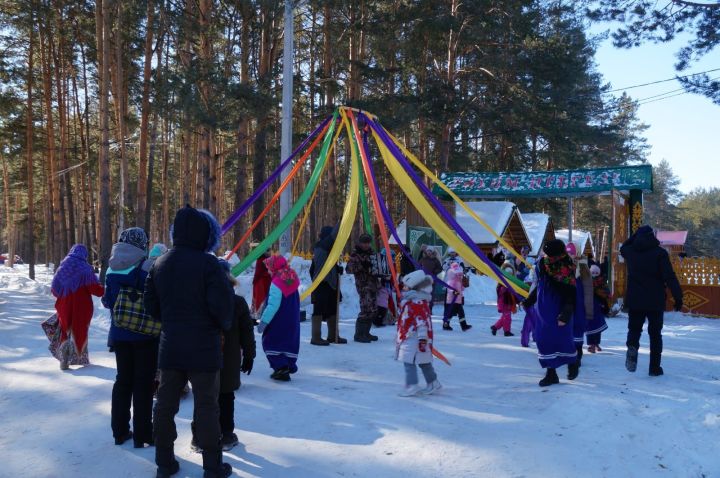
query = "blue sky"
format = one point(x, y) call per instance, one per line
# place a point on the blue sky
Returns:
point(685, 129)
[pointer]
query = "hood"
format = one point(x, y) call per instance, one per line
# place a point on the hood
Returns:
point(195, 228)
point(157, 250)
point(125, 256)
point(644, 240)
point(325, 231)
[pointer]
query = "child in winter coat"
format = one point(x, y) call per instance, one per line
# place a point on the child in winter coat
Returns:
point(454, 298)
point(413, 344)
point(528, 328)
point(601, 306)
point(506, 303)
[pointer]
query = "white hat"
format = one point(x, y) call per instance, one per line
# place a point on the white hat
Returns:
point(417, 280)
point(450, 250)
point(595, 270)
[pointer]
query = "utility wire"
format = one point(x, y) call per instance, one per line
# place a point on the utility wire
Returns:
point(663, 81)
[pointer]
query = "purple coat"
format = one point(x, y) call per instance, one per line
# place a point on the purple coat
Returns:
point(555, 344)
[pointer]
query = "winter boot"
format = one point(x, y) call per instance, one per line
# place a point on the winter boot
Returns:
point(213, 465)
point(360, 334)
point(123, 438)
point(507, 333)
point(551, 378)
point(379, 320)
point(333, 331)
point(229, 441)
point(316, 338)
point(431, 388)
point(446, 324)
point(573, 370)
point(579, 349)
point(168, 471)
point(281, 375)
point(493, 329)
point(631, 358)
point(656, 371)
point(464, 325)
point(368, 326)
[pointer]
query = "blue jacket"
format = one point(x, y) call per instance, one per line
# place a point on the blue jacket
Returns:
point(114, 280)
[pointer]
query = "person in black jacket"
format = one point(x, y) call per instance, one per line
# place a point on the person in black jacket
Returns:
point(238, 356)
point(326, 296)
point(188, 291)
point(648, 273)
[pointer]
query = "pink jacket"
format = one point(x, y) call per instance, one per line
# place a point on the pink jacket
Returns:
point(453, 277)
point(505, 300)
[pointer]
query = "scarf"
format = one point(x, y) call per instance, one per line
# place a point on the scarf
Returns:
point(73, 272)
point(560, 268)
point(283, 276)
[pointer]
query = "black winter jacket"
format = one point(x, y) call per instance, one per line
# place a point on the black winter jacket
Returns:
point(188, 291)
point(648, 272)
point(238, 347)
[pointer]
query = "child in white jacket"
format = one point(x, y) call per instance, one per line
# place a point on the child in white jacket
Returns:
point(415, 334)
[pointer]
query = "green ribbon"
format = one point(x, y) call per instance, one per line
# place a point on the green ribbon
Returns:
point(297, 207)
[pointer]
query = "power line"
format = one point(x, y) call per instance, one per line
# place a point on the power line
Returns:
point(663, 81)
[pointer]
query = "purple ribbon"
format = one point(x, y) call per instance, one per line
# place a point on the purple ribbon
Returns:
point(388, 218)
point(435, 203)
point(234, 217)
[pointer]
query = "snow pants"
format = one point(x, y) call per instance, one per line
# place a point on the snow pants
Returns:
point(504, 322)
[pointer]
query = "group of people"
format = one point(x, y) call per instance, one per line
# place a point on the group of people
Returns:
point(175, 311)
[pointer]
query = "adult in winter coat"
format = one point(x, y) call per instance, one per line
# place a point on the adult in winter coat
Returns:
point(188, 291)
point(73, 285)
point(414, 340)
point(280, 321)
point(326, 296)
point(135, 353)
point(455, 298)
point(430, 262)
point(261, 283)
point(367, 285)
point(554, 302)
point(238, 356)
point(649, 272)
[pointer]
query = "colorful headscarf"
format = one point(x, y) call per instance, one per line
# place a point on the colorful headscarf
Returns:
point(560, 268)
point(283, 276)
point(135, 236)
point(73, 272)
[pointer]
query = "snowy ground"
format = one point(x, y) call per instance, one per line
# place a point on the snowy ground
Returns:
point(340, 415)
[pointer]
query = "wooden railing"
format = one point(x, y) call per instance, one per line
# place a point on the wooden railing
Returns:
point(699, 271)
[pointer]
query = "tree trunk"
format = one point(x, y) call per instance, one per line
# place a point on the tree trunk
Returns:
point(29, 153)
point(102, 19)
point(143, 174)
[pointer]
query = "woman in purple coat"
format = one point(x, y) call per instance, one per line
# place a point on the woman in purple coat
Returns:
point(554, 303)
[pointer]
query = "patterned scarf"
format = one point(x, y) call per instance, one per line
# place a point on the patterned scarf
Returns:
point(283, 276)
point(73, 272)
point(600, 289)
point(560, 268)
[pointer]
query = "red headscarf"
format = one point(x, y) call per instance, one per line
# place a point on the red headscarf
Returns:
point(283, 276)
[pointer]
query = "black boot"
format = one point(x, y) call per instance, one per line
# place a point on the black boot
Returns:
point(169, 466)
point(333, 331)
point(281, 375)
point(573, 370)
point(509, 334)
point(551, 378)
point(631, 358)
point(446, 324)
point(656, 371)
point(360, 333)
point(123, 438)
point(464, 325)
point(168, 471)
point(316, 337)
point(493, 329)
point(579, 349)
point(213, 465)
point(368, 326)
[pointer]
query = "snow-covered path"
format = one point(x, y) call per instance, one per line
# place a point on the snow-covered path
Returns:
point(340, 415)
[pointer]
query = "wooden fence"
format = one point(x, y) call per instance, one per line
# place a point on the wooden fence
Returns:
point(699, 279)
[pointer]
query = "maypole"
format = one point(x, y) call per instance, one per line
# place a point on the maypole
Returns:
point(286, 138)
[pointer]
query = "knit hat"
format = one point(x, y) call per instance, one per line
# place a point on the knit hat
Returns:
point(135, 236)
point(554, 248)
point(158, 250)
point(365, 239)
point(595, 270)
point(644, 230)
point(418, 280)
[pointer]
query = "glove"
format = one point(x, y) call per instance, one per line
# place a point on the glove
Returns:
point(678, 305)
point(247, 365)
point(261, 327)
point(422, 345)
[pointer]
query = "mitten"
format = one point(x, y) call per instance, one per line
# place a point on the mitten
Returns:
point(247, 365)
point(261, 327)
point(422, 345)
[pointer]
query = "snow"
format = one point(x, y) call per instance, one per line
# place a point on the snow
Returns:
point(535, 225)
point(340, 415)
point(672, 238)
point(580, 239)
point(495, 213)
